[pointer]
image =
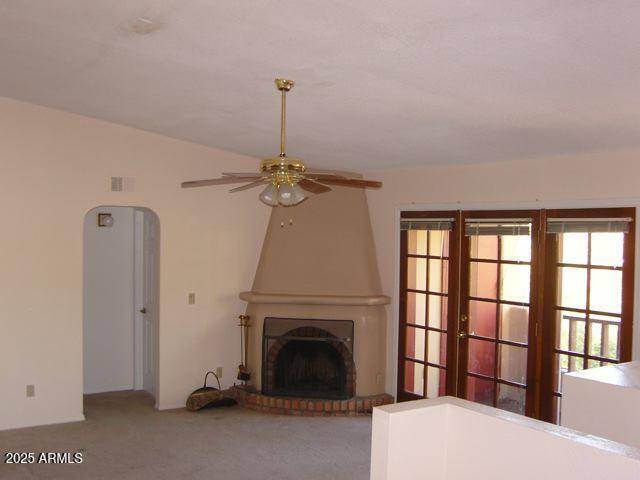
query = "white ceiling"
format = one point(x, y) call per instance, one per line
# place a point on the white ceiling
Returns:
point(379, 84)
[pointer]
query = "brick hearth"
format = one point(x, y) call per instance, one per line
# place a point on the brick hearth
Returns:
point(307, 407)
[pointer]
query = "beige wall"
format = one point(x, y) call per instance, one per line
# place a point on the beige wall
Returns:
point(54, 167)
point(607, 179)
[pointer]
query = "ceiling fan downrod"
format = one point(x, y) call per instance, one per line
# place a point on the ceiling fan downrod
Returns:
point(284, 85)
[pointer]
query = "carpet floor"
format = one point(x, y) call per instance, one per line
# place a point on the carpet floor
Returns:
point(124, 438)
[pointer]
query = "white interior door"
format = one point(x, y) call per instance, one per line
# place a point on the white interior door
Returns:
point(146, 300)
point(150, 301)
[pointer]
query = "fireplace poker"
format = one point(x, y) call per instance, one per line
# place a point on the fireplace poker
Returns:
point(244, 373)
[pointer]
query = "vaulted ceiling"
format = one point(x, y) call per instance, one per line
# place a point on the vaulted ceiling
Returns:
point(379, 84)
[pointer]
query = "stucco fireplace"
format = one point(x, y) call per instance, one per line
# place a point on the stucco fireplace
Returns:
point(318, 275)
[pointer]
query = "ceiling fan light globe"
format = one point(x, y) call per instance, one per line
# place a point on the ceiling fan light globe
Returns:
point(298, 195)
point(269, 195)
point(286, 194)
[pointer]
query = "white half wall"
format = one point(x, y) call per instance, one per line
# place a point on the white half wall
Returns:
point(604, 401)
point(55, 167)
point(108, 308)
point(452, 439)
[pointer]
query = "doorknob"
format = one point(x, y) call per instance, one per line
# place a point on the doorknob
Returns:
point(143, 310)
point(463, 334)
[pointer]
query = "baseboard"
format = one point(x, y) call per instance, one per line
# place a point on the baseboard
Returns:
point(169, 406)
point(78, 418)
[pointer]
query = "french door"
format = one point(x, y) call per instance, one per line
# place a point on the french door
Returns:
point(485, 303)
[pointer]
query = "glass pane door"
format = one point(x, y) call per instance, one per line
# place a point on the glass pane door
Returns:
point(495, 306)
point(588, 317)
point(494, 327)
point(424, 316)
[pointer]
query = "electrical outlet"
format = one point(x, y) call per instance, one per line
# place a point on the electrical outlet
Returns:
point(31, 390)
point(378, 379)
point(192, 298)
point(219, 372)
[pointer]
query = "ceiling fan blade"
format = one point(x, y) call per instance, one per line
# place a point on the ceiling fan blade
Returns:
point(312, 186)
point(351, 182)
point(244, 174)
point(337, 173)
point(322, 176)
point(257, 183)
point(216, 181)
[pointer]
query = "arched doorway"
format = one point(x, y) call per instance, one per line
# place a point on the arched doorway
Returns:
point(120, 299)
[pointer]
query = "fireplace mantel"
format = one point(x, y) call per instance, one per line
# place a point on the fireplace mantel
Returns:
point(297, 299)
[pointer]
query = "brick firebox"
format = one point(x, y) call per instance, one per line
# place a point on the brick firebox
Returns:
point(309, 332)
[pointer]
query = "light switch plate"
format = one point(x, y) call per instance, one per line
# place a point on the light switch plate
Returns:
point(31, 390)
point(192, 298)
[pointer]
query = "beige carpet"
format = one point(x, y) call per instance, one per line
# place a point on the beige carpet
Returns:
point(124, 438)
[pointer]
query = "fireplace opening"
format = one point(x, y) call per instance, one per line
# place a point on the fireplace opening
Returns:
point(312, 360)
point(310, 369)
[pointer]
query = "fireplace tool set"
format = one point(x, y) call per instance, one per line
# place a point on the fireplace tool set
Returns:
point(244, 373)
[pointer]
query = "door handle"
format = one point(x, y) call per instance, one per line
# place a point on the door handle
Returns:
point(463, 334)
point(143, 310)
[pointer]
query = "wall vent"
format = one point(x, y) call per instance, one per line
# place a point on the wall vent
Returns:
point(117, 184)
point(121, 184)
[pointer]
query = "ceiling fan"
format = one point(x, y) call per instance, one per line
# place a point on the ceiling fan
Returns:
point(286, 178)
